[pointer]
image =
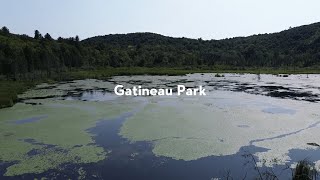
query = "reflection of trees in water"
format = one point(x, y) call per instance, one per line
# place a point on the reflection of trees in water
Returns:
point(304, 170)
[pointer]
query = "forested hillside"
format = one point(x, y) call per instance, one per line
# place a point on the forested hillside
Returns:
point(30, 57)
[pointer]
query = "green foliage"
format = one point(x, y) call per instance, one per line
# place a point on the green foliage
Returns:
point(27, 59)
point(104, 73)
point(9, 91)
point(304, 171)
point(5, 30)
point(22, 57)
point(48, 37)
point(37, 35)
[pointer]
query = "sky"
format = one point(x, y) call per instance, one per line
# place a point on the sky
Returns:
point(206, 19)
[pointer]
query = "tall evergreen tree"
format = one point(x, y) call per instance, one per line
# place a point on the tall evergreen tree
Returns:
point(5, 30)
point(37, 35)
point(48, 37)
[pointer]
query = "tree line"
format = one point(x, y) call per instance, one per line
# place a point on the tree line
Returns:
point(22, 56)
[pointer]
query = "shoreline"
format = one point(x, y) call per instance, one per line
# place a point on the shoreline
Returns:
point(9, 89)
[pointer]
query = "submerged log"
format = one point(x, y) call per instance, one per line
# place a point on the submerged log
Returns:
point(313, 144)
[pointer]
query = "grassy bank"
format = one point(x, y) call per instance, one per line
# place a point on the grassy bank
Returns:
point(10, 89)
point(108, 72)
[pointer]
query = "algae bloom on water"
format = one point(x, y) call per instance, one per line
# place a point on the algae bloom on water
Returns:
point(59, 137)
point(51, 129)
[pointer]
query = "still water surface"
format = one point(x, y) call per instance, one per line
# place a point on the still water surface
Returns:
point(104, 136)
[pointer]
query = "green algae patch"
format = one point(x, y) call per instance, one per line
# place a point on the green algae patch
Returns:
point(45, 91)
point(52, 159)
point(181, 131)
point(61, 137)
point(191, 149)
point(41, 93)
point(189, 128)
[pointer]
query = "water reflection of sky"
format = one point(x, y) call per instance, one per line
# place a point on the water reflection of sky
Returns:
point(233, 94)
point(30, 120)
point(279, 110)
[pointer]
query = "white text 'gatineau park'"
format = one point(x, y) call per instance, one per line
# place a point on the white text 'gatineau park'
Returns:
point(160, 90)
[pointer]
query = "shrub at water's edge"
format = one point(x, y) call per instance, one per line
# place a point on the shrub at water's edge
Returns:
point(304, 171)
point(9, 91)
point(10, 88)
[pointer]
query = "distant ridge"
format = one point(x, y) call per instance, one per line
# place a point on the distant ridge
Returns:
point(297, 47)
point(146, 34)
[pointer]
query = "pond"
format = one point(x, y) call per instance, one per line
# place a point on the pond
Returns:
point(82, 130)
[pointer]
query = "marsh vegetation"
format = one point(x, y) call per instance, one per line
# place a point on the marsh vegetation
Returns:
point(68, 128)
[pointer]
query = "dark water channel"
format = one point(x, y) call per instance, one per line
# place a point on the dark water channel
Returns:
point(135, 160)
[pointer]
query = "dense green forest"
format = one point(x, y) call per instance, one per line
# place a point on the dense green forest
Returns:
point(26, 61)
point(24, 57)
